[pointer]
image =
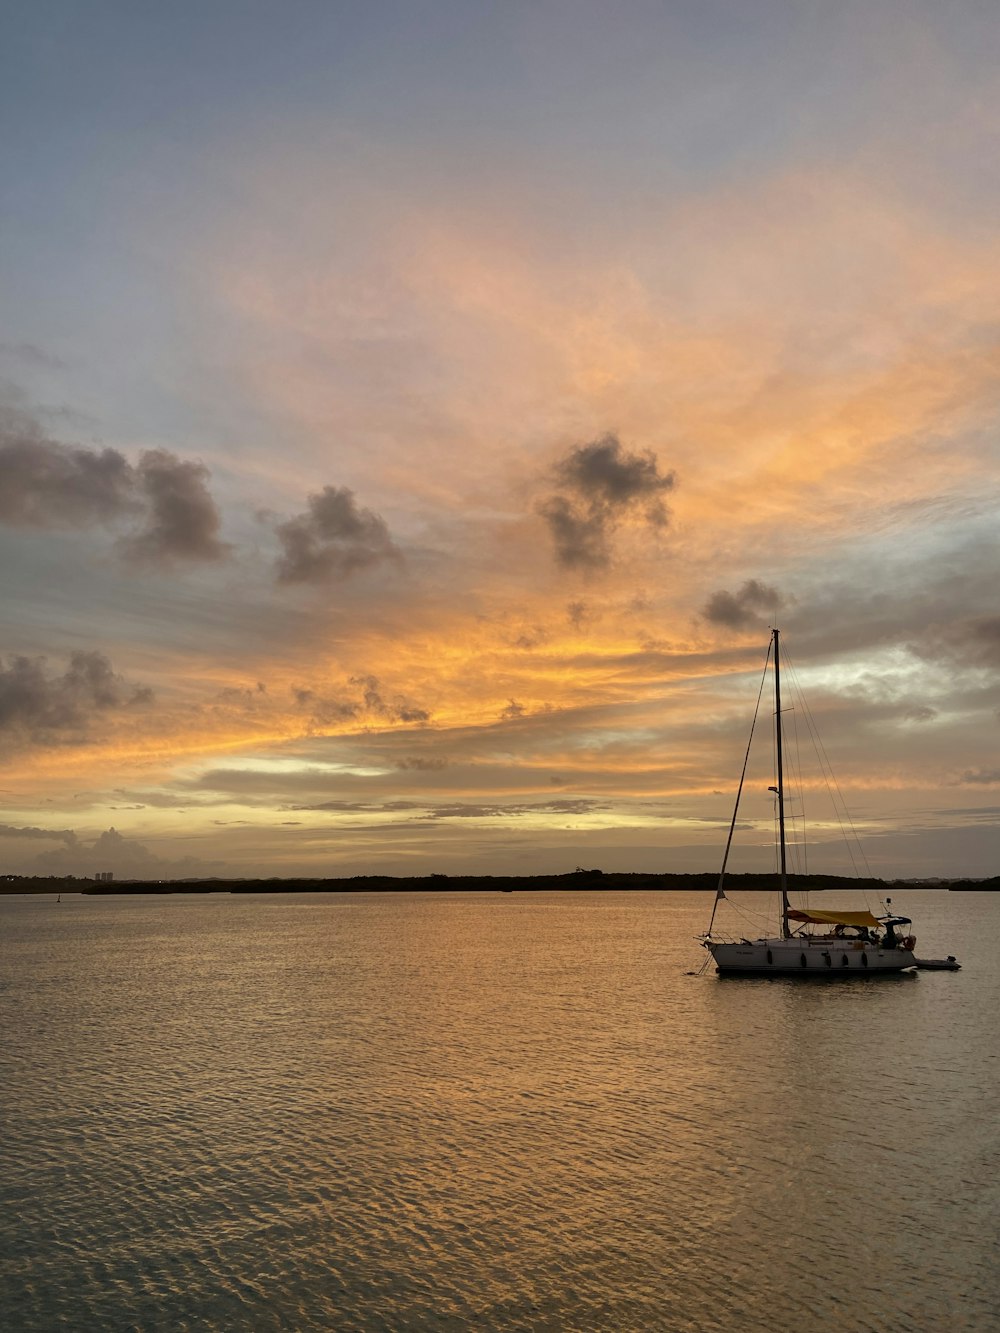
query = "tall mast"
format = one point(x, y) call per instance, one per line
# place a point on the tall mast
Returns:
point(785, 932)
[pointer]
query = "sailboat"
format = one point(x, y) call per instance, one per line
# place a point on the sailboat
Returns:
point(828, 943)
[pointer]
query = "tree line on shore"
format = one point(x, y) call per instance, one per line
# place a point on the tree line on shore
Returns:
point(577, 879)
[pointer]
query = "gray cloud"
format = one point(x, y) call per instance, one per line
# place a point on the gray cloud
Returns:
point(325, 710)
point(48, 708)
point(44, 484)
point(974, 641)
point(977, 813)
point(466, 812)
point(399, 711)
point(127, 858)
point(50, 835)
point(600, 483)
point(322, 710)
point(532, 639)
point(332, 540)
point(745, 609)
point(920, 713)
point(580, 536)
point(244, 698)
point(419, 764)
point(568, 806)
point(181, 519)
point(360, 807)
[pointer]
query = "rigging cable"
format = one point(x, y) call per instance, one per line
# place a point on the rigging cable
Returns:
point(732, 823)
point(841, 809)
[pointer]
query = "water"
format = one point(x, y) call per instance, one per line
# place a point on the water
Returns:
point(486, 1111)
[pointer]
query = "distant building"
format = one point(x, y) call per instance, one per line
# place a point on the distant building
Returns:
point(104, 876)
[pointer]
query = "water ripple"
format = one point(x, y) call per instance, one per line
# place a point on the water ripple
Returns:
point(496, 1112)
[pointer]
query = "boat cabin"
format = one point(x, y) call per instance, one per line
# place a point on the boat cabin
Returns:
point(883, 931)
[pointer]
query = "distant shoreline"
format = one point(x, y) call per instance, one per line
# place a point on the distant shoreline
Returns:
point(578, 880)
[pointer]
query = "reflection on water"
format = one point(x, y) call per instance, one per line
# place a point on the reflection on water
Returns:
point(444, 1110)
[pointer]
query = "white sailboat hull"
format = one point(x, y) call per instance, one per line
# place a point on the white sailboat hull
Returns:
point(842, 958)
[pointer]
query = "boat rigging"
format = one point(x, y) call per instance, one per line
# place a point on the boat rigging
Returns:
point(832, 942)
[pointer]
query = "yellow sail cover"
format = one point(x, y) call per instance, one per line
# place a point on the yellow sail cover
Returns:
point(832, 918)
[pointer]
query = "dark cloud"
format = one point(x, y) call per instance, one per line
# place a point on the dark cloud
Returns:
point(125, 857)
point(973, 642)
point(360, 807)
point(580, 536)
point(606, 472)
point(985, 813)
point(47, 709)
point(982, 635)
point(532, 639)
point(466, 812)
point(600, 484)
point(44, 484)
point(920, 713)
point(512, 711)
point(51, 835)
point(243, 698)
point(181, 519)
point(332, 540)
point(748, 608)
point(420, 764)
point(568, 806)
point(408, 714)
point(374, 703)
point(323, 711)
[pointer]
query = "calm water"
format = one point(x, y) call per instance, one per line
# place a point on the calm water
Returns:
point(487, 1111)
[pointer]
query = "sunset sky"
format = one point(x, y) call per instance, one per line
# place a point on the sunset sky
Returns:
point(415, 413)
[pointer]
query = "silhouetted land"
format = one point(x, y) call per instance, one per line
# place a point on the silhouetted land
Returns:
point(580, 879)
